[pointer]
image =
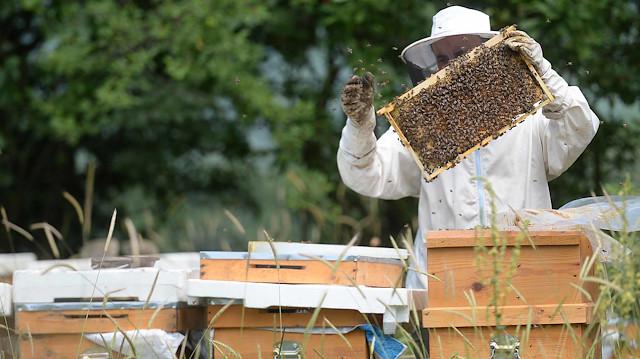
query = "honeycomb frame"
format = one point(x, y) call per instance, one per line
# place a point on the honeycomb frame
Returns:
point(396, 111)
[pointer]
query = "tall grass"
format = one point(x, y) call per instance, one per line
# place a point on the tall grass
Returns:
point(616, 308)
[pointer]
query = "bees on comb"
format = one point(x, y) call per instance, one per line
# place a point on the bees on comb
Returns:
point(476, 100)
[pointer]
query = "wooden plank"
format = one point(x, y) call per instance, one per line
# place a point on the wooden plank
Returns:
point(76, 321)
point(540, 342)
point(471, 238)
point(376, 274)
point(237, 316)
point(541, 275)
point(62, 346)
point(371, 274)
point(256, 343)
point(266, 271)
point(459, 317)
point(592, 289)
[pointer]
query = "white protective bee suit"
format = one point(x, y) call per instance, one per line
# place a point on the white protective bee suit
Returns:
point(517, 166)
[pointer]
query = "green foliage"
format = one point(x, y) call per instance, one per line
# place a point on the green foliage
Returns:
point(200, 105)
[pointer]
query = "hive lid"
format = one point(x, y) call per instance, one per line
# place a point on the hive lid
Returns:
point(325, 250)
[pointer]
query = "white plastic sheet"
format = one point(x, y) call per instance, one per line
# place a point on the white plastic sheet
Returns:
point(148, 344)
point(590, 215)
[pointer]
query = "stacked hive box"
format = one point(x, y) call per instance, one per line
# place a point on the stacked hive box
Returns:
point(536, 298)
point(57, 310)
point(261, 304)
point(7, 338)
point(9, 263)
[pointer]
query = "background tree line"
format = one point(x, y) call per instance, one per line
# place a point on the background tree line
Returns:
point(206, 122)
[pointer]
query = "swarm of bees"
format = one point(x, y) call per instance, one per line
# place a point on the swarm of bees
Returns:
point(475, 101)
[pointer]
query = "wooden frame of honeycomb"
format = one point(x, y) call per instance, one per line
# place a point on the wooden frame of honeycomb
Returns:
point(472, 101)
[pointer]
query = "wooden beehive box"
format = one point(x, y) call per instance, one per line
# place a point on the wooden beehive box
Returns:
point(53, 309)
point(538, 294)
point(249, 318)
point(537, 341)
point(253, 332)
point(307, 263)
point(300, 269)
point(546, 270)
point(473, 100)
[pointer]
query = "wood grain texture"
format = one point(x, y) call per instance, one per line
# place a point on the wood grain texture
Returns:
point(546, 269)
point(256, 343)
point(371, 274)
point(237, 316)
point(554, 341)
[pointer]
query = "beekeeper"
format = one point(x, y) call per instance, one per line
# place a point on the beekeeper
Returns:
point(517, 165)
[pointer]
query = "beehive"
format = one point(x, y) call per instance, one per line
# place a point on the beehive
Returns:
point(475, 99)
point(55, 309)
point(257, 299)
point(543, 302)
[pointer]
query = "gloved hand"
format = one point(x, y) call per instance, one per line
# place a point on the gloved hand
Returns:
point(519, 41)
point(357, 97)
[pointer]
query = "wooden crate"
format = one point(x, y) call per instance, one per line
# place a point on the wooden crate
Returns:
point(394, 304)
point(256, 343)
point(56, 330)
point(418, 139)
point(53, 307)
point(249, 331)
point(236, 316)
point(540, 297)
point(552, 341)
point(299, 269)
point(546, 269)
point(545, 331)
point(59, 346)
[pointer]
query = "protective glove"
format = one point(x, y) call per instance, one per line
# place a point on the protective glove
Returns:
point(357, 97)
point(519, 41)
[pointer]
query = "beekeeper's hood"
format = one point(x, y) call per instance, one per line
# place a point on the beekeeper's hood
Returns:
point(453, 20)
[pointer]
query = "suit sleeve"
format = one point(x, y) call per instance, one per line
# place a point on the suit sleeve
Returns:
point(381, 168)
point(569, 125)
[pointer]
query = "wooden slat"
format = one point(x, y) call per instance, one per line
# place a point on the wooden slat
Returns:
point(548, 273)
point(444, 317)
point(471, 238)
point(265, 271)
point(376, 274)
point(256, 343)
point(371, 274)
point(75, 321)
point(543, 275)
point(64, 346)
point(540, 342)
point(237, 316)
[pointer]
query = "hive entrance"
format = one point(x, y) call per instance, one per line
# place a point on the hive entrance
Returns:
point(472, 101)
